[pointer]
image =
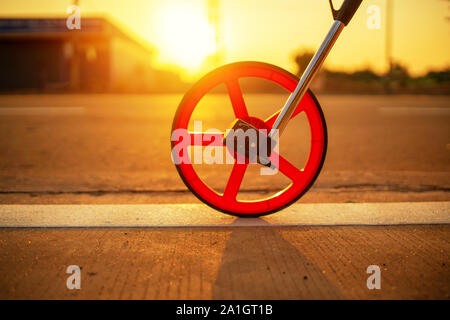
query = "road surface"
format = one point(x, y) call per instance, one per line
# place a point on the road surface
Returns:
point(384, 152)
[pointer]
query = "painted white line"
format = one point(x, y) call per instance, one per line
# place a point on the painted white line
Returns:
point(195, 215)
point(19, 111)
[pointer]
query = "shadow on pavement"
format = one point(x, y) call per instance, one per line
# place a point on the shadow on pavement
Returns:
point(258, 263)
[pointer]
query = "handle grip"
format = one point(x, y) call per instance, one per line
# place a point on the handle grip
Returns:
point(346, 12)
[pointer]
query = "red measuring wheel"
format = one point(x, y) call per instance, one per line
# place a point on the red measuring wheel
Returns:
point(301, 178)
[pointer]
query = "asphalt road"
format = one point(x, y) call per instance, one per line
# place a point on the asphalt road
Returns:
point(115, 149)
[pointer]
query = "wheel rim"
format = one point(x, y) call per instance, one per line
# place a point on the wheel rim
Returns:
point(301, 179)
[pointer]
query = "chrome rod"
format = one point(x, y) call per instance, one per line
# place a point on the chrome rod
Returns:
point(303, 85)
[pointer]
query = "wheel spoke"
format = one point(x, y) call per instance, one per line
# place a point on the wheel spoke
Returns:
point(237, 99)
point(206, 138)
point(271, 120)
point(235, 180)
point(286, 168)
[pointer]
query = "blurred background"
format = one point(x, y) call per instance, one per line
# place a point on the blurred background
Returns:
point(159, 46)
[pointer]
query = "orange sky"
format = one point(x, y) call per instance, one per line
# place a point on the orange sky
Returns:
point(270, 30)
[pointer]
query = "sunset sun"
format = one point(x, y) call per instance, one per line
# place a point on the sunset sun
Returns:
point(187, 36)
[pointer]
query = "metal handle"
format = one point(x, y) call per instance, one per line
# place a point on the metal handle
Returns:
point(342, 17)
point(302, 86)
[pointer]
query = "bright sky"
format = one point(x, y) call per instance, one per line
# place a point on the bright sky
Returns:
point(271, 30)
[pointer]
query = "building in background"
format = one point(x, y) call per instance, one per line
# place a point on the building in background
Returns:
point(43, 55)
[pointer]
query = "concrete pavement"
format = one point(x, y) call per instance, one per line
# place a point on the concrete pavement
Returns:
point(309, 251)
point(226, 263)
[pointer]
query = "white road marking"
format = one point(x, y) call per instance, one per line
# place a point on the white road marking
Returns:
point(196, 215)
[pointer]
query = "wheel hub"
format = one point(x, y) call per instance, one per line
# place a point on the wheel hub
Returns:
point(248, 141)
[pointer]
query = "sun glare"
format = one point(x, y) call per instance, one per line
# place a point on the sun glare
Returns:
point(187, 36)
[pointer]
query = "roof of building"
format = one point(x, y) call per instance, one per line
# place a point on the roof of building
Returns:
point(56, 28)
point(47, 25)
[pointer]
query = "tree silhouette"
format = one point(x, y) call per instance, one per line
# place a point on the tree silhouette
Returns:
point(302, 60)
